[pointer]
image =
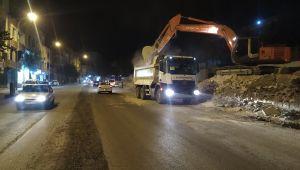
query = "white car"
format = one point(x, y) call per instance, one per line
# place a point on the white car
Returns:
point(54, 83)
point(113, 83)
point(35, 95)
point(31, 81)
point(105, 87)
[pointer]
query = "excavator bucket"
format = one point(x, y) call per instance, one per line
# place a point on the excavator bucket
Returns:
point(147, 52)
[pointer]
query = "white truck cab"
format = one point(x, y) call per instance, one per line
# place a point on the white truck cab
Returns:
point(169, 78)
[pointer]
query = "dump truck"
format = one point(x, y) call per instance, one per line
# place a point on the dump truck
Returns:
point(166, 77)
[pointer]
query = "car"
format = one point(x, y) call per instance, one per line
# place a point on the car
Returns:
point(54, 83)
point(96, 83)
point(43, 82)
point(30, 81)
point(113, 83)
point(105, 87)
point(35, 95)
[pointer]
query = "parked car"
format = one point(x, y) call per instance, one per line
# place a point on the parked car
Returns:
point(43, 82)
point(105, 87)
point(54, 83)
point(113, 83)
point(30, 81)
point(35, 95)
point(96, 83)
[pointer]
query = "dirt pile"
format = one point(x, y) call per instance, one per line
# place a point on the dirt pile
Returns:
point(257, 92)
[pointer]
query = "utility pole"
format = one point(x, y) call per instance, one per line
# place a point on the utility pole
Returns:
point(49, 54)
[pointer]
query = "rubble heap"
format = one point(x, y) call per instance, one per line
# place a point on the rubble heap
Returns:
point(258, 93)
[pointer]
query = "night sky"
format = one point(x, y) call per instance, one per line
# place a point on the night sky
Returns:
point(119, 29)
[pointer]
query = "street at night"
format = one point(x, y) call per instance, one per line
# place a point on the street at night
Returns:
point(160, 84)
point(87, 130)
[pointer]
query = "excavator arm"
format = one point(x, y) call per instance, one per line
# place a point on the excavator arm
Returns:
point(199, 26)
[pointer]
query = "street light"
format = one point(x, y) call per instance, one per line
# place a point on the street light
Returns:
point(259, 22)
point(85, 56)
point(57, 44)
point(32, 16)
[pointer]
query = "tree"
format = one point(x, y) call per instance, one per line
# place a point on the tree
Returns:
point(4, 36)
point(31, 60)
point(69, 71)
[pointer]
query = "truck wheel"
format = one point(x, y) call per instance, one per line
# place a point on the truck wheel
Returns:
point(138, 92)
point(159, 97)
point(143, 93)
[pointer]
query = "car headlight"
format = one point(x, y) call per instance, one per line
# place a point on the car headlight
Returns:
point(41, 98)
point(19, 98)
point(169, 92)
point(197, 92)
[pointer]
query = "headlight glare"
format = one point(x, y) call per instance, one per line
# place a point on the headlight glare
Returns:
point(169, 92)
point(19, 98)
point(41, 98)
point(197, 92)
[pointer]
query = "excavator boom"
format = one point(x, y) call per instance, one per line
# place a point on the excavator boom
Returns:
point(199, 26)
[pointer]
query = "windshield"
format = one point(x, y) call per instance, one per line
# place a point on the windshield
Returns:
point(182, 66)
point(36, 88)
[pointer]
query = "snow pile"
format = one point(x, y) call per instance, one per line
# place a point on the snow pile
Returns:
point(257, 92)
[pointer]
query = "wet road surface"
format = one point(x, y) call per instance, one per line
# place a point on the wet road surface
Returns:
point(87, 130)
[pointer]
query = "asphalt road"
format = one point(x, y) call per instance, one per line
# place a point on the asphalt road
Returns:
point(101, 131)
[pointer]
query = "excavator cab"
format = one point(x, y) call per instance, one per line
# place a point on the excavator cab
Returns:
point(252, 51)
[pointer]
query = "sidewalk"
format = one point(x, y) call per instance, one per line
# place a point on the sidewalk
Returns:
point(4, 91)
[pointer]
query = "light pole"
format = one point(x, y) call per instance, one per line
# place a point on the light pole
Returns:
point(57, 44)
point(32, 17)
point(85, 57)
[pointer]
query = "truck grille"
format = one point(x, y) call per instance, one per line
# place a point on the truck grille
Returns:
point(183, 86)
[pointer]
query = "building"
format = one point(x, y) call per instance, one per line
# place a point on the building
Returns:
point(25, 39)
point(62, 58)
point(34, 43)
point(9, 57)
point(28, 41)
